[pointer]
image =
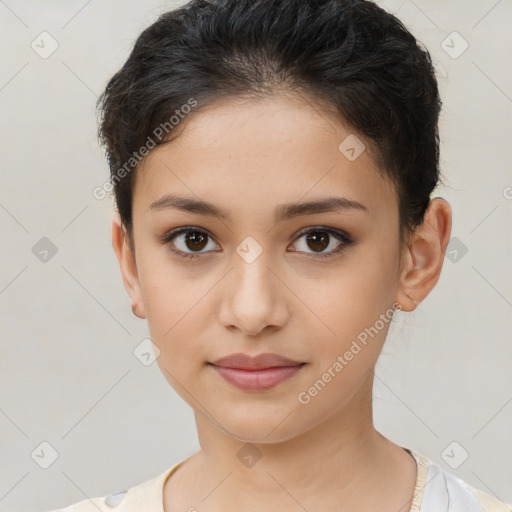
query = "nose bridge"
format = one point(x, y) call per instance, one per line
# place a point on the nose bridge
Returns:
point(254, 299)
point(251, 275)
point(252, 256)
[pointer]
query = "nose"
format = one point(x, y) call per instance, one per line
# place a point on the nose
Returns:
point(254, 298)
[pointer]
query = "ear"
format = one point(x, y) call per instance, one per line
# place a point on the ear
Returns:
point(126, 258)
point(424, 255)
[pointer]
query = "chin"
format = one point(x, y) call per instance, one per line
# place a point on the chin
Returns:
point(261, 426)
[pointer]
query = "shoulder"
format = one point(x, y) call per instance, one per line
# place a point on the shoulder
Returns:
point(440, 490)
point(147, 496)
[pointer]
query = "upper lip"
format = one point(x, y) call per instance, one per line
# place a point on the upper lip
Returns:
point(258, 362)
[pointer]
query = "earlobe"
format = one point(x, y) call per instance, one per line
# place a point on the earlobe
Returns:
point(127, 264)
point(423, 258)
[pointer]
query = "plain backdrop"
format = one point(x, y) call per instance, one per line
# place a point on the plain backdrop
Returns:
point(74, 396)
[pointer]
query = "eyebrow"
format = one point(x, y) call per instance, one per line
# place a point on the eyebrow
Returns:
point(282, 212)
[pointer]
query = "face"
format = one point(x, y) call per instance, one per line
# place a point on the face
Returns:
point(315, 285)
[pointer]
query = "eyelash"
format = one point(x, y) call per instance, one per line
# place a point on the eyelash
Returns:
point(338, 235)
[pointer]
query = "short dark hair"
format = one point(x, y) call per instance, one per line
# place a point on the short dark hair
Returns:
point(349, 54)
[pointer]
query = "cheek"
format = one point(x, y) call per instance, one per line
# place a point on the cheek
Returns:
point(180, 311)
point(170, 295)
point(354, 302)
point(355, 312)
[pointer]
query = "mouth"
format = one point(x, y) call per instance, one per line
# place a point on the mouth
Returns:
point(268, 360)
point(256, 373)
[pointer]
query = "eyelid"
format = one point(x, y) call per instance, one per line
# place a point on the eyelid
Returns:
point(342, 234)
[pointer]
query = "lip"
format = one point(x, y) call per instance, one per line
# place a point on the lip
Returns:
point(258, 373)
point(243, 361)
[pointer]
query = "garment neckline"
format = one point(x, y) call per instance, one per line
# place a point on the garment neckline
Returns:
point(421, 478)
point(419, 487)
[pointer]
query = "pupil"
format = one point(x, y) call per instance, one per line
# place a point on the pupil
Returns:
point(321, 239)
point(195, 237)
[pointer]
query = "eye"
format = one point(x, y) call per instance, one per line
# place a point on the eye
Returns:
point(194, 239)
point(319, 238)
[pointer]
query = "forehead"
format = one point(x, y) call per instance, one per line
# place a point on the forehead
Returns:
point(250, 154)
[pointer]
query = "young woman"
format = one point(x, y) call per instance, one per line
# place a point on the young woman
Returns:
point(273, 165)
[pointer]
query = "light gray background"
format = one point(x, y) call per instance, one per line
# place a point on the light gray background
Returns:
point(68, 373)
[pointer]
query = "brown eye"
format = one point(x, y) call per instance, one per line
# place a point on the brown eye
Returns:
point(319, 239)
point(187, 241)
point(195, 240)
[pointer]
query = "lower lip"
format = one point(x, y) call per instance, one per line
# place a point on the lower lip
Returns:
point(257, 380)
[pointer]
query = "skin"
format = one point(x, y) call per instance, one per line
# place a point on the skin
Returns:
point(248, 157)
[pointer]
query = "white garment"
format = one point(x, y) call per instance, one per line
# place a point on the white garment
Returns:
point(447, 493)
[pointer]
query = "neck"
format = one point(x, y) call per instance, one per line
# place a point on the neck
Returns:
point(342, 460)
